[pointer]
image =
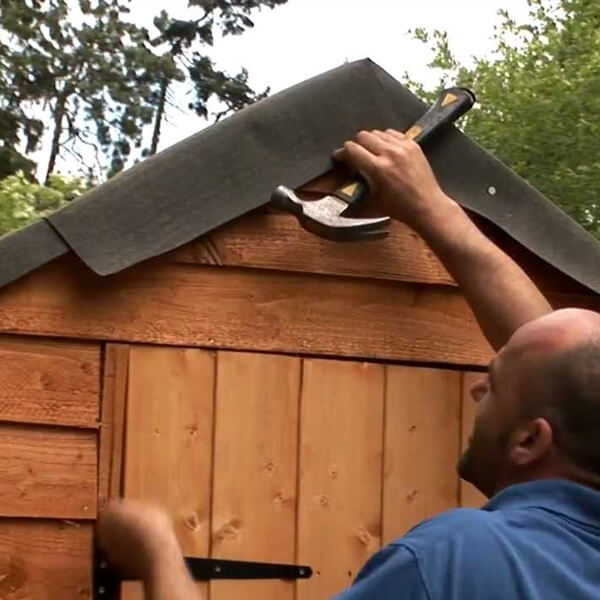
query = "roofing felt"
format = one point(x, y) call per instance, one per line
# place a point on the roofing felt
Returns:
point(232, 167)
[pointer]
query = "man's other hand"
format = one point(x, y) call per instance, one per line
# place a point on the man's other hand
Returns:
point(135, 537)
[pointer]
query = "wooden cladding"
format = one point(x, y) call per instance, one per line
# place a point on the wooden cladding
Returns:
point(248, 309)
point(45, 560)
point(49, 409)
point(276, 241)
point(42, 381)
point(47, 472)
point(282, 459)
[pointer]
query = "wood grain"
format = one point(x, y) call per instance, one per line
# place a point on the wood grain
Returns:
point(247, 309)
point(469, 495)
point(339, 512)
point(46, 381)
point(45, 560)
point(255, 462)
point(168, 452)
point(422, 433)
point(276, 241)
point(47, 472)
point(112, 426)
point(268, 240)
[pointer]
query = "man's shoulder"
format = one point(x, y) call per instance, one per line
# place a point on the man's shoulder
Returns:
point(456, 525)
point(456, 517)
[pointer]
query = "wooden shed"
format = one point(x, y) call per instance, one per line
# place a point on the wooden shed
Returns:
point(285, 398)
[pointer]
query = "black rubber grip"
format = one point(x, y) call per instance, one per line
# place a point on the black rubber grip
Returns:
point(451, 104)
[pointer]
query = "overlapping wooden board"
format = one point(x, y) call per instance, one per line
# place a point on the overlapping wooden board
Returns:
point(254, 472)
point(276, 241)
point(268, 240)
point(45, 560)
point(49, 410)
point(341, 447)
point(248, 309)
point(422, 429)
point(46, 381)
point(47, 472)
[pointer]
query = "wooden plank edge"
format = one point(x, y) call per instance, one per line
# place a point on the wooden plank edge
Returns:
point(112, 427)
point(276, 241)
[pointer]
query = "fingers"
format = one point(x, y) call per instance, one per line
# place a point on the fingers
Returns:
point(358, 156)
point(396, 135)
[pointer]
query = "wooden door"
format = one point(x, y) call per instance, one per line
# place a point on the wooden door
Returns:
point(282, 459)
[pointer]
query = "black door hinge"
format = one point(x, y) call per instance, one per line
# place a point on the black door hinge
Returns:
point(107, 579)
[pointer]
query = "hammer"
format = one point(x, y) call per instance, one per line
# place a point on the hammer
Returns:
point(325, 217)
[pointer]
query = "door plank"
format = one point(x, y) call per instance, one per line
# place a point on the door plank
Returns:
point(339, 520)
point(422, 434)
point(112, 426)
point(255, 462)
point(168, 453)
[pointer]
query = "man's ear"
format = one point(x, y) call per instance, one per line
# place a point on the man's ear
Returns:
point(531, 441)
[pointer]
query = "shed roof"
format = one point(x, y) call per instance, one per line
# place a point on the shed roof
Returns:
point(231, 168)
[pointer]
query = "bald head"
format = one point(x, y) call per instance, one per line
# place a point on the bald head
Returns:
point(558, 373)
point(538, 413)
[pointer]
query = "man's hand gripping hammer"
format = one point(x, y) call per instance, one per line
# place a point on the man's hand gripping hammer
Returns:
point(325, 217)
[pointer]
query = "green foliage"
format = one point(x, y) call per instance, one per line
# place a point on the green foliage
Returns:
point(90, 70)
point(101, 82)
point(188, 42)
point(539, 100)
point(22, 202)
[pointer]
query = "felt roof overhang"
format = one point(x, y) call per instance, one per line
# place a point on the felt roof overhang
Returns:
point(233, 166)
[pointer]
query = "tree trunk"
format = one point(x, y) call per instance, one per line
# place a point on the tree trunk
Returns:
point(59, 114)
point(160, 111)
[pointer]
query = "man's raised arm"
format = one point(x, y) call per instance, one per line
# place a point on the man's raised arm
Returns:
point(403, 185)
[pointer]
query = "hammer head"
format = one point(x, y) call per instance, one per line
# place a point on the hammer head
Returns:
point(324, 217)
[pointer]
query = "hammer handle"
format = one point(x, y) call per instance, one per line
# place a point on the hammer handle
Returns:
point(451, 104)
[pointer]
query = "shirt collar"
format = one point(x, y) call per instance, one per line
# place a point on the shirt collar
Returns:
point(568, 498)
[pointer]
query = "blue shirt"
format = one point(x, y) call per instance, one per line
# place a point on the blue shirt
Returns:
point(537, 540)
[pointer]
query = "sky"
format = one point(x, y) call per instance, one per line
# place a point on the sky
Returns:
point(304, 38)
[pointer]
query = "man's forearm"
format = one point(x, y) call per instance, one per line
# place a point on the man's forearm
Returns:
point(169, 579)
point(499, 292)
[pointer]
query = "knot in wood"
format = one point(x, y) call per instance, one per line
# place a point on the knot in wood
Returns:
point(364, 537)
point(323, 500)
point(191, 521)
point(280, 499)
point(412, 495)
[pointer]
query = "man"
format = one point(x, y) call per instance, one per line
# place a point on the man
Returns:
point(535, 449)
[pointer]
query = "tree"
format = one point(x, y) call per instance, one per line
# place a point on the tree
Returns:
point(79, 71)
point(187, 41)
point(88, 69)
point(539, 100)
point(22, 202)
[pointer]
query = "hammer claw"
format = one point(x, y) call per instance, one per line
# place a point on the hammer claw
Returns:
point(324, 217)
